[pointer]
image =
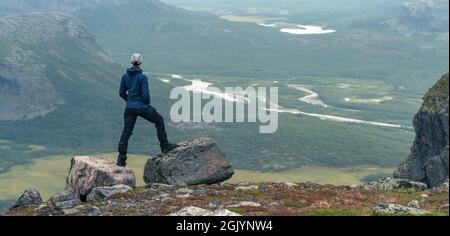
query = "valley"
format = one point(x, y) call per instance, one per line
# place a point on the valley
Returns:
point(349, 84)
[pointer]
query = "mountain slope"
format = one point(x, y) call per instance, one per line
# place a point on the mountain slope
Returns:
point(51, 70)
point(22, 71)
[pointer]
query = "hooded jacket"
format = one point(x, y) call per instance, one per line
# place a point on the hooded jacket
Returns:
point(134, 89)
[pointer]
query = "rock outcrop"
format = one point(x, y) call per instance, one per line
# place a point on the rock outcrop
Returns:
point(194, 162)
point(29, 197)
point(87, 173)
point(64, 200)
point(428, 161)
point(106, 192)
point(393, 183)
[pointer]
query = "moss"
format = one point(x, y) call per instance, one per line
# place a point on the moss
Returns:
point(23, 212)
point(335, 212)
point(436, 98)
point(437, 199)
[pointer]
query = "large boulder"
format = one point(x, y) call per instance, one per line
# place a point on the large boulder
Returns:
point(29, 197)
point(194, 162)
point(87, 173)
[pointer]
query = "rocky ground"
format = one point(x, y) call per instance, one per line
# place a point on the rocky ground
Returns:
point(188, 181)
point(270, 199)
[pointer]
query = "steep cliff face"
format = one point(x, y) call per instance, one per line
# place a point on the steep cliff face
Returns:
point(428, 161)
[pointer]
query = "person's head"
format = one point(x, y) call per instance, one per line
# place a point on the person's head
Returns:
point(136, 59)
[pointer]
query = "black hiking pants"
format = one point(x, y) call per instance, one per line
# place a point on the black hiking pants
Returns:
point(130, 117)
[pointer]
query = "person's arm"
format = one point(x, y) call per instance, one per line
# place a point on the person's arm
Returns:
point(145, 91)
point(123, 89)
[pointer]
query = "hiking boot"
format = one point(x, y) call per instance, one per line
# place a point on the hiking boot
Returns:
point(168, 147)
point(122, 160)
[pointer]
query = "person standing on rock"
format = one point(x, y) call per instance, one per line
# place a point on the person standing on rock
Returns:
point(134, 89)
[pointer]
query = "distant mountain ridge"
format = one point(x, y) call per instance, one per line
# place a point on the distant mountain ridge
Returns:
point(12, 7)
point(425, 17)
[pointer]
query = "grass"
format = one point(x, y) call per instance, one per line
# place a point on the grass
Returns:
point(335, 212)
point(252, 192)
point(409, 214)
point(404, 195)
point(437, 97)
point(238, 210)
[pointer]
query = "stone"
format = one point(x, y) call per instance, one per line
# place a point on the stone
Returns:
point(414, 204)
point(443, 187)
point(29, 198)
point(159, 187)
point(429, 158)
point(290, 185)
point(87, 173)
point(191, 211)
point(196, 211)
point(397, 209)
point(99, 193)
point(184, 191)
point(445, 184)
point(215, 204)
point(195, 162)
point(395, 183)
point(66, 199)
point(250, 187)
point(224, 212)
point(245, 204)
point(310, 185)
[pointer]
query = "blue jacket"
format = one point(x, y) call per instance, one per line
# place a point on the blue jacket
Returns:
point(134, 89)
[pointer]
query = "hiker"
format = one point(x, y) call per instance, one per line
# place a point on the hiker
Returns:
point(134, 89)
